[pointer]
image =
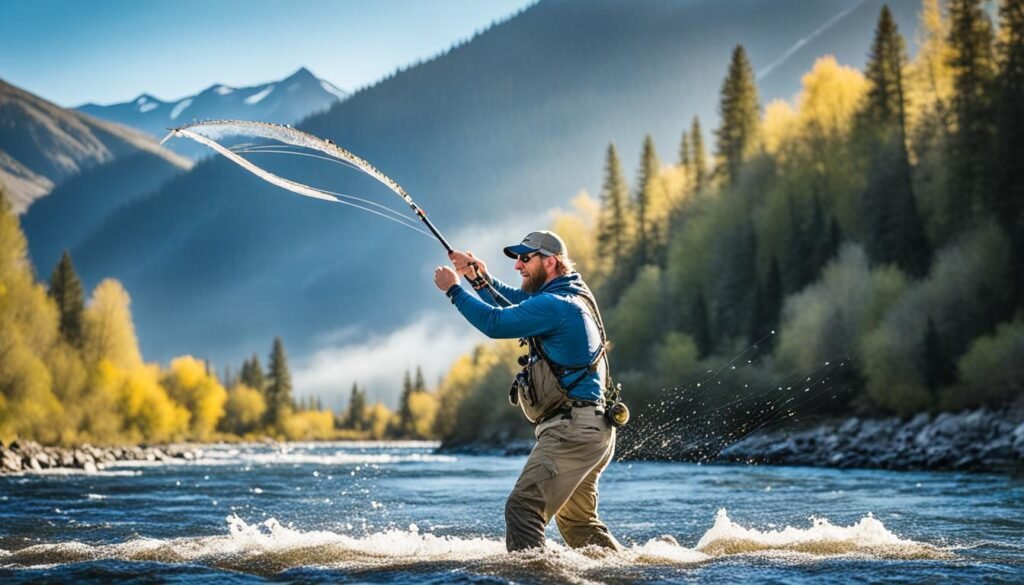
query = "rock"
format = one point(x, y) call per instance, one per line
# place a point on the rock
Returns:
point(946, 424)
point(1018, 435)
point(10, 461)
point(919, 421)
point(89, 467)
point(850, 427)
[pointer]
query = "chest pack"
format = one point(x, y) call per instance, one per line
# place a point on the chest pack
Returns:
point(538, 389)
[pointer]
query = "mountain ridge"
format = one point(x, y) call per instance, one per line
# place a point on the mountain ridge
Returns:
point(490, 133)
point(285, 101)
point(43, 144)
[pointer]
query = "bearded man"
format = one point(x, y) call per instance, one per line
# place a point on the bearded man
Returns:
point(563, 391)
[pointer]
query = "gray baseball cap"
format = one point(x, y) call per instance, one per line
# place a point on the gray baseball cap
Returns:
point(545, 242)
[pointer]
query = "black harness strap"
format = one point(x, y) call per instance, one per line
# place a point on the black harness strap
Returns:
point(561, 370)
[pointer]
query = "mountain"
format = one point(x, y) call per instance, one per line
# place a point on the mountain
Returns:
point(487, 137)
point(43, 144)
point(284, 102)
point(60, 220)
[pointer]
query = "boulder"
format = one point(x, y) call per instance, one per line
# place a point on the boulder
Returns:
point(10, 461)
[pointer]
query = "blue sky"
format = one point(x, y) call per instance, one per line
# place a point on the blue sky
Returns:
point(73, 52)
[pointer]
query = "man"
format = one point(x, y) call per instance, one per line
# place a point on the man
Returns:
point(556, 311)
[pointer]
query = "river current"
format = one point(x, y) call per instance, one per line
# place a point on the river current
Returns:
point(398, 512)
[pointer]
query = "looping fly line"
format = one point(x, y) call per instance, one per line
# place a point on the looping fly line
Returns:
point(288, 141)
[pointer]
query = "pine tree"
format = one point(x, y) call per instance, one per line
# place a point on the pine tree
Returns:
point(684, 153)
point(279, 385)
point(1010, 140)
point(252, 374)
point(699, 156)
point(1010, 108)
point(973, 64)
point(893, 229)
point(701, 326)
point(739, 109)
point(67, 291)
point(613, 229)
point(885, 101)
point(355, 414)
point(647, 194)
point(405, 423)
point(798, 264)
point(736, 258)
point(420, 384)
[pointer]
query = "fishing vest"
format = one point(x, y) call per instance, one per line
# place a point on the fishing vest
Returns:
point(538, 389)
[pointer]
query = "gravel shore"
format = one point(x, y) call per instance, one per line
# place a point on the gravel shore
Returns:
point(22, 456)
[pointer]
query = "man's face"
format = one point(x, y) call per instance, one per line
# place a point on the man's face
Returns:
point(532, 271)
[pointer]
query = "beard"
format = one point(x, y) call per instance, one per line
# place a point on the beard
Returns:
point(534, 279)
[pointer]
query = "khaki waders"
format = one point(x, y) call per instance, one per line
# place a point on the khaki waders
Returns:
point(560, 480)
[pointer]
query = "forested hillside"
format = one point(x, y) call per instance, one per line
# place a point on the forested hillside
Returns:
point(856, 249)
point(510, 123)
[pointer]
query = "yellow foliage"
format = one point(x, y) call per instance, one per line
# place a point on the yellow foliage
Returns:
point(30, 408)
point(929, 76)
point(829, 99)
point(28, 330)
point(309, 425)
point(379, 418)
point(108, 329)
point(825, 107)
point(147, 412)
point(244, 410)
point(190, 385)
point(463, 376)
point(423, 407)
point(778, 127)
point(69, 382)
point(577, 227)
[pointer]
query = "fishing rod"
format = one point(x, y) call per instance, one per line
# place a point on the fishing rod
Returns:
point(204, 133)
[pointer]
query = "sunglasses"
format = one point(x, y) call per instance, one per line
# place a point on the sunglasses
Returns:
point(525, 258)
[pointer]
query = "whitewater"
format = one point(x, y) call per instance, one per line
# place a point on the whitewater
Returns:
point(399, 512)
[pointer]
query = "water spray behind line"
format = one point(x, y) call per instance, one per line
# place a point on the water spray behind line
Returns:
point(207, 133)
point(754, 408)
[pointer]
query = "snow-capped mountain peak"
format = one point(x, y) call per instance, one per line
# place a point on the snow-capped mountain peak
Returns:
point(285, 102)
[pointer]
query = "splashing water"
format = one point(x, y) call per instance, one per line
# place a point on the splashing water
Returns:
point(344, 512)
point(268, 547)
point(694, 421)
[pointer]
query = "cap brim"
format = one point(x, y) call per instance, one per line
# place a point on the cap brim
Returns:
point(514, 251)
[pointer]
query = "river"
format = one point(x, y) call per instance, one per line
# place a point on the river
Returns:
point(397, 512)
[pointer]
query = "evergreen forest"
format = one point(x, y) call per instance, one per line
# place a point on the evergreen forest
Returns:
point(857, 249)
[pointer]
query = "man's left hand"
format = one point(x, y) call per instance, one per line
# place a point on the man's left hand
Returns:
point(445, 278)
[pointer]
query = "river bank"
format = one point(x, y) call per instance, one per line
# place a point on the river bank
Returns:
point(21, 456)
point(977, 440)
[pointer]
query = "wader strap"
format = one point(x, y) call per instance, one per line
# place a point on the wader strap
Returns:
point(563, 371)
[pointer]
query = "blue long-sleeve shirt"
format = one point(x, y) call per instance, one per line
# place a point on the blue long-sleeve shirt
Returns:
point(568, 332)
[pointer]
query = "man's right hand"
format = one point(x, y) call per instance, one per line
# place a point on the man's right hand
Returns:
point(467, 265)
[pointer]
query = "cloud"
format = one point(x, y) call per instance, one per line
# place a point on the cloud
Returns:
point(433, 341)
point(378, 362)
